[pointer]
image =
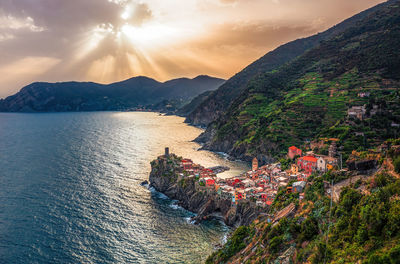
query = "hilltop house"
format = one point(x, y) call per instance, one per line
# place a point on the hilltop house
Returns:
point(307, 163)
point(357, 112)
point(293, 152)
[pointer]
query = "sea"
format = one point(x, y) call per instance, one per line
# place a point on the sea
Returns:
point(70, 190)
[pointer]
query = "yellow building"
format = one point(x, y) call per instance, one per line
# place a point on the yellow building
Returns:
point(294, 169)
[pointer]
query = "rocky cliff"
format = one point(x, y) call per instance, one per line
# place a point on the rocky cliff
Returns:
point(165, 178)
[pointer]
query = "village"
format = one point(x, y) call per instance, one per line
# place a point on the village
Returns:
point(261, 184)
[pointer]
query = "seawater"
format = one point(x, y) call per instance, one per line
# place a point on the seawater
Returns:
point(70, 190)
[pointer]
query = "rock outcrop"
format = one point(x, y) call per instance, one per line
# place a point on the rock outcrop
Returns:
point(165, 178)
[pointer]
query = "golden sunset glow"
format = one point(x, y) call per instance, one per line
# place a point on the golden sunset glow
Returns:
point(110, 40)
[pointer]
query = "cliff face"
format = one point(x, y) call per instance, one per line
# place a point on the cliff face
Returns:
point(164, 177)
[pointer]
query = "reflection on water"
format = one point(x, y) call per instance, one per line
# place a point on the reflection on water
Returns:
point(70, 190)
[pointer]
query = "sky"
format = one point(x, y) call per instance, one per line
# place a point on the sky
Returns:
point(111, 40)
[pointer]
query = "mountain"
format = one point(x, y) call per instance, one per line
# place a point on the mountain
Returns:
point(193, 104)
point(346, 88)
point(219, 101)
point(133, 93)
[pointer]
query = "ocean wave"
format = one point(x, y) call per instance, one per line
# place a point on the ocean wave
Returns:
point(174, 205)
point(190, 220)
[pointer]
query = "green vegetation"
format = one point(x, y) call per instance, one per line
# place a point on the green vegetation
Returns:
point(308, 98)
point(396, 164)
point(359, 228)
point(235, 243)
point(218, 102)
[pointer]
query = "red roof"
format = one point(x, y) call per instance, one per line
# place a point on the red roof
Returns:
point(309, 158)
point(293, 148)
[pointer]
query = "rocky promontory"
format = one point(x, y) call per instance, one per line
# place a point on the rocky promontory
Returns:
point(168, 176)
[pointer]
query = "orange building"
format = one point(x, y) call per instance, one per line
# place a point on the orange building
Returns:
point(293, 152)
point(307, 163)
point(255, 164)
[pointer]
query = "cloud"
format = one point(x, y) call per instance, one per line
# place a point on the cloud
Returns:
point(141, 14)
point(6, 36)
point(13, 23)
point(228, 1)
point(109, 40)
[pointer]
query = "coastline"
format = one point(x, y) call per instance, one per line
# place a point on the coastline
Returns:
point(165, 177)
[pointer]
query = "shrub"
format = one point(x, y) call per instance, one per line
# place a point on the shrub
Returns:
point(394, 255)
point(396, 164)
point(275, 244)
point(309, 229)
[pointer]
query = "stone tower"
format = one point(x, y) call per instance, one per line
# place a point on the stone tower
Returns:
point(167, 152)
point(333, 150)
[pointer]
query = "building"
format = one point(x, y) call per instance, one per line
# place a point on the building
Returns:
point(254, 164)
point(187, 164)
point(294, 169)
point(299, 186)
point(293, 152)
point(302, 177)
point(307, 163)
point(333, 150)
point(321, 164)
point(209, 182)
point(239, 195)
point(167, 152)
point(326, 163)
point(357, 112)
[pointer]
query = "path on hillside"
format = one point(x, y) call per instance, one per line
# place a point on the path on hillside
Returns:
point(338, 187)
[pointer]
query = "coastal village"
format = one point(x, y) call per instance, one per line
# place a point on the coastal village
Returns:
point(261, 184)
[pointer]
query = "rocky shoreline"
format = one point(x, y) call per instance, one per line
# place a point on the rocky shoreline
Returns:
point(165, 177)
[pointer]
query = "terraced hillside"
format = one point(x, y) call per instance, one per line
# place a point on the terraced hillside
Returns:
point(314, 96)
point(214, 106)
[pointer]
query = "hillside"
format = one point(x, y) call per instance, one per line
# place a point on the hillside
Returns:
point(193, 104)
point(133, 93)
point(363, 226)
point(346, 88)
point(220, 100)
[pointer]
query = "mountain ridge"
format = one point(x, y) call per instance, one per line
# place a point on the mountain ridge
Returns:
point(311, 97)
point(135, 92)
point(216, 103)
